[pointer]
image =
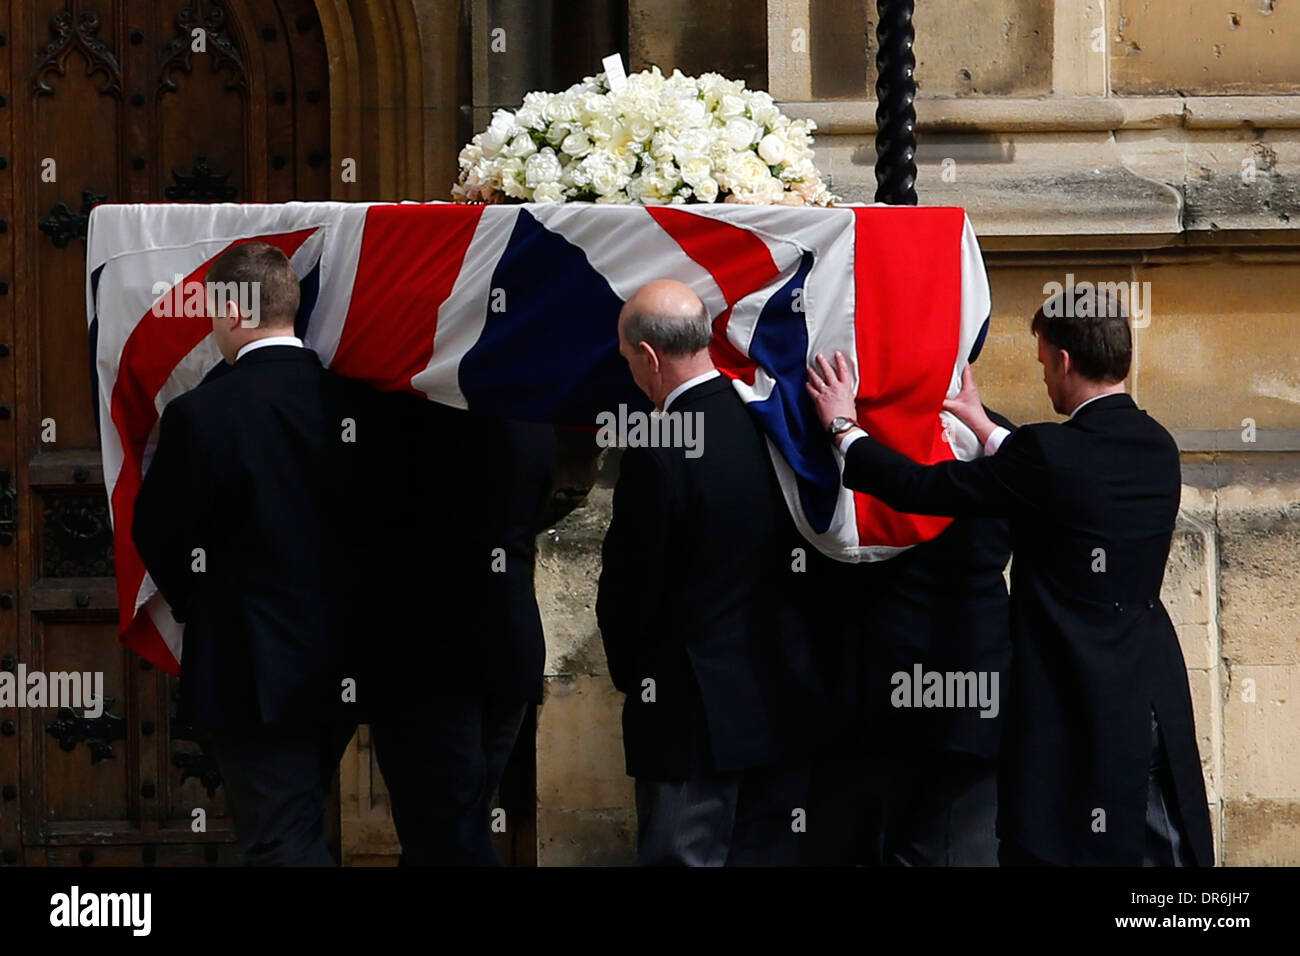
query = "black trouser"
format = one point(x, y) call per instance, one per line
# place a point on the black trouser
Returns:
point(1163, 841)
point(743, 818)
point(941, 810)
point(442, 757)
point(276, 778)
point(886, 807)
point(1165, 844)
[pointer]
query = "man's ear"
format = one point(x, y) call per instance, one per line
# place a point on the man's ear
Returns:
point(651, 356)
point(1063, 357)
point(233, 318)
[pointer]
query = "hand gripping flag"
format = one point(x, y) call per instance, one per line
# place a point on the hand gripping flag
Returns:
point(512, 310)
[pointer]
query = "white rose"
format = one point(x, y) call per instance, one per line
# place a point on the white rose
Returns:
point(555, 135)
point(548, 192)
point(744, 173)
point(706, 190)
point(771, 149)
point(692, 142)
point(470, 155)
point(512, 184)
point(593, 104)
point(521, 146)
point(530, 117)
point(651, 80)
point(576, 144)
point(600, 172)
point(542, 167)
point(640, 127)
point(499, 131)
point(559, 110)
point(684, 113)
point(740, 133)
point(662, 146)
point(696, 169)
point(648, 191)
point(600, 129)
point(730, 105)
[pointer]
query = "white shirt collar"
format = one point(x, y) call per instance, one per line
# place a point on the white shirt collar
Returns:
point(1091, 400)
point(269, 340)
point(689, 383)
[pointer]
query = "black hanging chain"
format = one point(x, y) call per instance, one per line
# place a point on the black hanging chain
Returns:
point(895, 103)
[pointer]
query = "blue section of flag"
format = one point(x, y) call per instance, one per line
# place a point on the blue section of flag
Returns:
point(308, 292)
point(549, 347)
point(788, 416)
point(979, 343)
point(94, 340)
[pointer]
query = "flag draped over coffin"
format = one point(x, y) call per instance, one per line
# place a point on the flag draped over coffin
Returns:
point(512, 310)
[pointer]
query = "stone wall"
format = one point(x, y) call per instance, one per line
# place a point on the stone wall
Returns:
point(1129, 140)
point(1232, 585)
point(1106, 141)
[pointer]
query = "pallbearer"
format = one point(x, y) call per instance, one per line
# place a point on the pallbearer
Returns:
point(700, 616)
point(1099, 756)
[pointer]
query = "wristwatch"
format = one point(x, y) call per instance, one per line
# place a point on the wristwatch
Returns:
point(840, 424)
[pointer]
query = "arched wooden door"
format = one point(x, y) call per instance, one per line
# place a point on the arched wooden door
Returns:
point(119, 101)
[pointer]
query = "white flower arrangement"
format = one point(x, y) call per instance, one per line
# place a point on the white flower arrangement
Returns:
point(657, 140)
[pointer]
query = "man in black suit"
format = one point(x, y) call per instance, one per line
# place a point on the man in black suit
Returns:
point(236, 521)
point(1099, 756)
point(941, 606)
point(698, 610)
point(916, 786)
point(461, 656)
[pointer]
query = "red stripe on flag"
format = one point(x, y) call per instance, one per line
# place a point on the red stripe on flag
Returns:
point(155, 347)
point(740, 264)
point(908, 325)
point(142, 636)
point(405, 271)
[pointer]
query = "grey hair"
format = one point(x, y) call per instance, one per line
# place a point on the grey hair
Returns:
point(670, 335)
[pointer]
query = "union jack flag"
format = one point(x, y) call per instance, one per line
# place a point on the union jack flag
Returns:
point(512, 310)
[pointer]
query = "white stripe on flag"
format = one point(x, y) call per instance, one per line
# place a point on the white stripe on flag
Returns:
point(628, 250)
point(464, 312)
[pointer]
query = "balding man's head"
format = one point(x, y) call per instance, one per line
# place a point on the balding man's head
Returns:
point(669, 316)
point(664, 333)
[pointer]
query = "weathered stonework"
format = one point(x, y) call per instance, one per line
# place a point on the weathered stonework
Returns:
point(1126, 141)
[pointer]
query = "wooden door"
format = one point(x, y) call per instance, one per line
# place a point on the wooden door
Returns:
point(117, 101)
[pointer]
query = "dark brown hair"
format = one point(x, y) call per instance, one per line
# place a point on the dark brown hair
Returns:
point(276, 283)
point(1093, 327)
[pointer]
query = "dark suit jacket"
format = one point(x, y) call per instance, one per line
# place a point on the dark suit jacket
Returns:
point(943, 605)
point(457, 533)
point(253, 468)
point(697, 594)
point(1094, 651)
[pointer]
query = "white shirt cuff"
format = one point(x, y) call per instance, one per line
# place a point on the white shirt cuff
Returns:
point(996, 438)
point(852, 435)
